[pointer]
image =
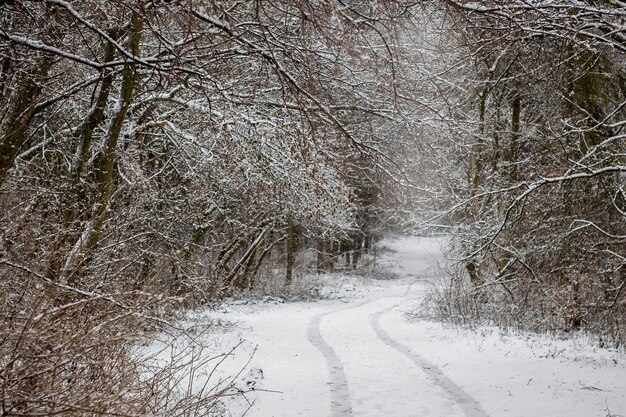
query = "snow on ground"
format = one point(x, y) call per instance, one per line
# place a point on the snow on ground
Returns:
point(357, 355)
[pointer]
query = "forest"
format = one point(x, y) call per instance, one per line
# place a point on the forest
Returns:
point(157, 155)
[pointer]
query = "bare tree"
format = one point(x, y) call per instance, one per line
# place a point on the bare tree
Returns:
point(170, 148)
point(540, 218)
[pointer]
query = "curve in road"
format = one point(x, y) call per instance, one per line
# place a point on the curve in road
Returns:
point(341, 405)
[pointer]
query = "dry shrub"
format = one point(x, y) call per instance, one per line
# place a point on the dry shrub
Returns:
point(512, 302)
point(65, 351)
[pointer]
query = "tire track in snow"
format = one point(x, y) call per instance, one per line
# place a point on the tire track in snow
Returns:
point(466, 402)
point(340, 404)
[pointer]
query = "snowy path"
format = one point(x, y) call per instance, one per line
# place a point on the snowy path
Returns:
point(360, 357)
point(386, 378)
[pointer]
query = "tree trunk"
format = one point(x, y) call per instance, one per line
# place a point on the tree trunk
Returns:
point(94, 119)
point(76, 197)
point(291, 252)
point(516, 108)
point(475, 164)
point(321, 261)
point(20, 112)
point(106, 166)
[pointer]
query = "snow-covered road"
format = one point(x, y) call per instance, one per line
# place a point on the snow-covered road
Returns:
point(359, 356)
point(373, 374)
